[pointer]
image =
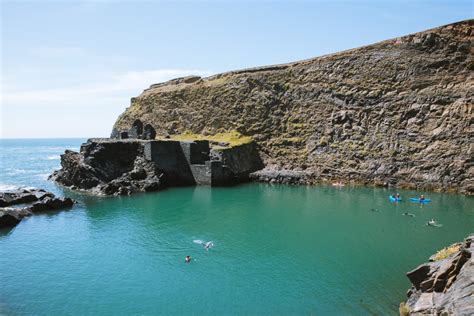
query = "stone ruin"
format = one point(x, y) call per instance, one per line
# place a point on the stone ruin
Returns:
point(137, 131)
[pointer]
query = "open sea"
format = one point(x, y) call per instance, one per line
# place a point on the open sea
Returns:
point(279, 250)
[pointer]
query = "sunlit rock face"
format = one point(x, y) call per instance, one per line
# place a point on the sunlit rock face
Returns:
point(398, 112)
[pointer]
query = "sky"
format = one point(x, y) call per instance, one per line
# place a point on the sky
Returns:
point(69, 68)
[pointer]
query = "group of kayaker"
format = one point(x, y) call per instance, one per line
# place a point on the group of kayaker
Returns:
point(396, 197)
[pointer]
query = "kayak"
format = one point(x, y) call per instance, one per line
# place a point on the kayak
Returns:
point(418, 200)
point(394, 199)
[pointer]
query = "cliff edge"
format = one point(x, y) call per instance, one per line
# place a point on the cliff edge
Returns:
point(398, 112)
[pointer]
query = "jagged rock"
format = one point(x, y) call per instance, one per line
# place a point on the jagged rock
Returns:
point(17, 197)
point(51, 203)
point(405, 104)
point(109, 167)
point(9, 217)
point(445, 286)
point(34, 200)
point(123, 167)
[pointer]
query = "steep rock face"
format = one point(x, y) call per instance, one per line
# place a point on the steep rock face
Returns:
point(109, 167)
point(445, 286)
point(398, 112)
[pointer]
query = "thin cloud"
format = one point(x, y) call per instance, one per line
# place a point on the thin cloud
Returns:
point(118, 87)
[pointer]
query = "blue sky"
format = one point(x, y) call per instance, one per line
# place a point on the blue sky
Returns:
point(69, 68)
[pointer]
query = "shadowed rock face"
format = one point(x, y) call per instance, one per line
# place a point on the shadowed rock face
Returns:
point(112, 166)
point(109, 167)
point(445, 286)
point(398, 112)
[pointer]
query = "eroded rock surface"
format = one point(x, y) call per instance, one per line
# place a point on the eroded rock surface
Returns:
point(444, 287)
point(108, 167)
point(28, 202)
point(126, 166)
point(398, 112)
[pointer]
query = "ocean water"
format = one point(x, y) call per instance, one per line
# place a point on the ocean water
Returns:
point(277, 249)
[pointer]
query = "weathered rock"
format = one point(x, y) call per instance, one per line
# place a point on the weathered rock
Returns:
point(123, 167)
point(395, 113)
point(17, 197)
point(445, 286)
point(109, 167)
point(50, 204)
point(35, 200)
point(9, 217)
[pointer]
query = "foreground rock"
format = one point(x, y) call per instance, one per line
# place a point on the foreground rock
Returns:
point(398, 112)
point(126, 166)
point(32, 201)
point(444, 286)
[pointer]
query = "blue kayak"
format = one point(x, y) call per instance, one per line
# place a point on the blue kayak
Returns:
point(394, 199)
point(420, 201)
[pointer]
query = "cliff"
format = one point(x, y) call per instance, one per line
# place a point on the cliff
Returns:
point(445, 285)
point(398, 112)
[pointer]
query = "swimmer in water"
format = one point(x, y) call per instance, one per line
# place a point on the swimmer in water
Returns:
point(208, 245)
point(187, 259)
point(409, 214)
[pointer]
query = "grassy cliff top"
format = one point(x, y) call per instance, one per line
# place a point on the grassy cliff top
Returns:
point(228, 139)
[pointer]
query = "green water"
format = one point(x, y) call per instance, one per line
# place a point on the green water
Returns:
point(278, 250)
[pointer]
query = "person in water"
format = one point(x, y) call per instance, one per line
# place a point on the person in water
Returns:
point(187, 259)
point(398, 197)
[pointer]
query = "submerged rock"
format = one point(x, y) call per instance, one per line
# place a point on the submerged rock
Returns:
point(444, 286)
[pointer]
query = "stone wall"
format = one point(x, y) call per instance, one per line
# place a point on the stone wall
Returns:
point(113, 166)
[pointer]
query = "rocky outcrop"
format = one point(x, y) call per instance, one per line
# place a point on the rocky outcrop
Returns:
point(126, 166)
point(396, 113)
point(444, 286)
point(109, 167)
point(30, 201)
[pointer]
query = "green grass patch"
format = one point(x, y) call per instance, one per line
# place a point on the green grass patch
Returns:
point(233, 138)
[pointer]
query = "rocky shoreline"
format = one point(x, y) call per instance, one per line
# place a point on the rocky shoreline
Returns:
point(444, 285)
point(125, 166)
point(20, 203)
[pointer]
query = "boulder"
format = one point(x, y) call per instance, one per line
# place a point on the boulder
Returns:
point(34, 200)
point(444, 286)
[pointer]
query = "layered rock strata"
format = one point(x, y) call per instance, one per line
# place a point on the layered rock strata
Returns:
point(28, 202)
point(445, 286)
point(398, 112)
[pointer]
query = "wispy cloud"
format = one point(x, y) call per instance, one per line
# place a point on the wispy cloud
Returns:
point(115, 88)
point(57, 51)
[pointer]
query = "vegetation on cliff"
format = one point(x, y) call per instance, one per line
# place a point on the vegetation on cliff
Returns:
point(397, 112)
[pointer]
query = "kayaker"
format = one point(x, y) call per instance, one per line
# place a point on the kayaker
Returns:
point(398, 197)
point(422, 198)
point(187, 259)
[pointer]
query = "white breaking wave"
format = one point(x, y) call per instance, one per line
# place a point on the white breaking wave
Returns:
point(7, 187)
point(55, 157)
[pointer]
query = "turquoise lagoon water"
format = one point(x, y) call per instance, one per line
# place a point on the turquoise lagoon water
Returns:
point(278, 249)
